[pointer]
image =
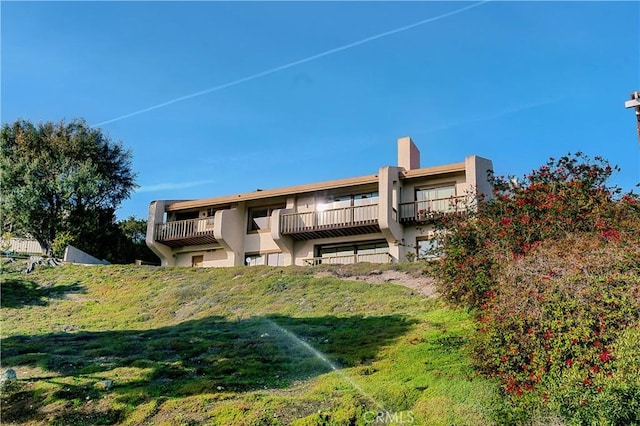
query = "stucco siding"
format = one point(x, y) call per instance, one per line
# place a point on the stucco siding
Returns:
point(259, 242)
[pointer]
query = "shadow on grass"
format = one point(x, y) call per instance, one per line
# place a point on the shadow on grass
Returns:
point(207, 355)
point(19, 292)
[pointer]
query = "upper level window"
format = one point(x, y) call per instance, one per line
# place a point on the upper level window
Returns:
point(187, 215)
point(365, 199)
point(436, 199)
point(337, 202)
point(260, 218)
point(436, 193)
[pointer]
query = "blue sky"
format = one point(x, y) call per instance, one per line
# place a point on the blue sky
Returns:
point(216, 98)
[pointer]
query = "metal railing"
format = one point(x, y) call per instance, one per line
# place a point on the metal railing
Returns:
point(349, 259)
point(335, 218)
point(179, 229)
point(427, 209)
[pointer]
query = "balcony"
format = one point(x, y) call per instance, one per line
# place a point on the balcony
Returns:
point(425, 211)
point(349, 259)
point(185, 232)
point(353, 220)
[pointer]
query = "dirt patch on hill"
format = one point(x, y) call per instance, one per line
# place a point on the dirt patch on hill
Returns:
point(422, 285)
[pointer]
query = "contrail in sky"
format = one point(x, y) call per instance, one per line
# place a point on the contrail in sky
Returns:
point(293, 64)
point(492, 116)
point(171, 185)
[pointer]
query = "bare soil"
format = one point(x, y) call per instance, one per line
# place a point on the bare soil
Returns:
point(423, 285)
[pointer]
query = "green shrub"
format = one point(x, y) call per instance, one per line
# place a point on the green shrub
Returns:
point(62, 240)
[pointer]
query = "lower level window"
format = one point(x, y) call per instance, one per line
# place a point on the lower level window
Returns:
point(374, 251)
point(427, 248)
point(271, 259)
point(196, 261)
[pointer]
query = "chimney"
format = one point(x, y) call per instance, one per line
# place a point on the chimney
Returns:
point(408, 154)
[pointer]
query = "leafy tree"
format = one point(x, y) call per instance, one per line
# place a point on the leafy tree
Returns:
point(131, 242)
point(63, 179)
point(134, 229)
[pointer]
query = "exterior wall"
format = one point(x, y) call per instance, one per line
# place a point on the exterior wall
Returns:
point(211, 258)
point(307, 203)
point(215, 258)
point(182, 255)
point(260, 242)
point(184, 259)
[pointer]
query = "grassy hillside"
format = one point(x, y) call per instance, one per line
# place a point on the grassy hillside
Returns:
point(237, 346)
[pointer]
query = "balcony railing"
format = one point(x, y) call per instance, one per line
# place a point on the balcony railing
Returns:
point(349, 259)
point(364, 218)
point(183, 230)
point(423, 211)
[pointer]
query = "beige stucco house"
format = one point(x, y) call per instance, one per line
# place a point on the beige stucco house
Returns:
point(375, 218)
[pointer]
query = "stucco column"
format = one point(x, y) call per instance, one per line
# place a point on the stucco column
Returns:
point(388, 214)
point(286, 244)
point(476, 173)
point(156, 215)
point(228, 229)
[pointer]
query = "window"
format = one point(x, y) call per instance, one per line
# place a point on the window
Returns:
point(341, 201)
point(374, 251)
point(187, 215)
point(365, 199)
point(254, 260)
point(271, 259)
point(196, 261)
point(373, 248)
point(427, 248)
point(436, 199)
point(260, 218)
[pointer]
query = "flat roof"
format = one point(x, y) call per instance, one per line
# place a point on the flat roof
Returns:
point(312, 187)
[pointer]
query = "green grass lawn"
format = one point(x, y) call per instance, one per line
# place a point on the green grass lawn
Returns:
point(233, 346)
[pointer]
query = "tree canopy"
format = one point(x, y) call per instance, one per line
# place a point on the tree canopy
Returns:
point(62, 180)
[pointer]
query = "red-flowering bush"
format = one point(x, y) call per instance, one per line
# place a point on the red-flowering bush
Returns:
point(556, 317)
point(564, 196)
point(551, 267)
